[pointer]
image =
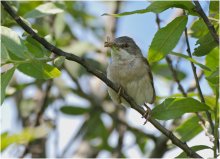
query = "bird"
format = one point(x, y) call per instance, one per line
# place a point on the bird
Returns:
point(130, 71)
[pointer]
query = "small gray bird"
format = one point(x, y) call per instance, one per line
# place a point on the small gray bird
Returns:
point(129, 70)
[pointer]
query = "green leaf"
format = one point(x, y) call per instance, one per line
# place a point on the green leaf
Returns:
point(212, 61)
point(164, 71)
point(141, 11)
point(172, 108)
point(12, 42)
point(160, 6)
point(141, 142)
point(214, 9)
point(199, 28)
point(206, 44)
point(214, 77)
point(35, 48)
point(166, 39)
point(5, 78)
point(27, 135)
point(194, 148)
point(189, 129)
point(73, 110)
point(211, 101)
point(45, 9)
point(4, 54)
point(100, 130)
point(25, 7)
point(192, 60)
point(39, 70)
point(4, 134)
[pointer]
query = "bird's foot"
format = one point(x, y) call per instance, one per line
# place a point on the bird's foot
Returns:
point(120, 92)
point(147, 114)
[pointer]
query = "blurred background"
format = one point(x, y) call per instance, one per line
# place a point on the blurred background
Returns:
point(73, 113)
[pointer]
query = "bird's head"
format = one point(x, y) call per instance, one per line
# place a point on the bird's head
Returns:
point(124, 47)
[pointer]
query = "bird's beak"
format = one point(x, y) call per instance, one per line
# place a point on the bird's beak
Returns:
point(109, 44)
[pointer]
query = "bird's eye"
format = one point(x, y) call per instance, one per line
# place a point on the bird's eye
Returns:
point(124, 45)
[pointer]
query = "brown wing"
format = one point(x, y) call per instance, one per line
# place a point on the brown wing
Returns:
point(151, 77)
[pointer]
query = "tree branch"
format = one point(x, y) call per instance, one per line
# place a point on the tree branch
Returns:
point(102, 77)
point(211, 28)
point(174, 73)
point(43, 106)
point(197, 81)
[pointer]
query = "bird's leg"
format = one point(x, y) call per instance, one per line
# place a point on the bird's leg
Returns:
point(120, 91)
point(147, 114)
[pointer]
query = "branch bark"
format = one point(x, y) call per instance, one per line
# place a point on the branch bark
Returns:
point(102, 77)
point(211, 28)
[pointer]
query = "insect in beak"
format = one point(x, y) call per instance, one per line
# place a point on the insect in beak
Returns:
point(109, 43)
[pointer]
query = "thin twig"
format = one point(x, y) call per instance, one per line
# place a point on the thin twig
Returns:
point(197, 81)
point(102, 77)
point(44, 103)
point(193, 86)
point(42, 107)
point(174, 73)
point(211, 28)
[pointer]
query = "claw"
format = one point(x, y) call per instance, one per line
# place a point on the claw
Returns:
point(147, 114)
point(119, 94)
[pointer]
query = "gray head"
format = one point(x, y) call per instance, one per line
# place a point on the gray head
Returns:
point(126, 43)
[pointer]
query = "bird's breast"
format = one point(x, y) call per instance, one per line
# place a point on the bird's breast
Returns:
point(123, 72)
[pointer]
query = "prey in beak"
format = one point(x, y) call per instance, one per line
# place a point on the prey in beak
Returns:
point(115, 45)
point(109, 43)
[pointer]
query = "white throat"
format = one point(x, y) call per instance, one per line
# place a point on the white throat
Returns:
point(121, 55)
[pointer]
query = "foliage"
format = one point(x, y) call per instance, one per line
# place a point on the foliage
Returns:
point(158, 7)
point(53, 80)
point(27, 135)
point(172, 108)
point(166, 39)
